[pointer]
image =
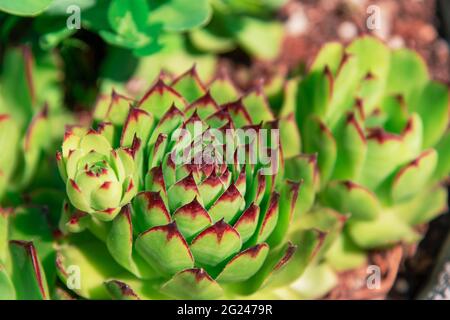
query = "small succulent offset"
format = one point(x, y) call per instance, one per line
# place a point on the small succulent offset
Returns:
point(99, 180)
point(202, 225)
point(374, 130)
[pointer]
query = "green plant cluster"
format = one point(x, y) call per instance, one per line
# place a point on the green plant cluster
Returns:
point(96, 206)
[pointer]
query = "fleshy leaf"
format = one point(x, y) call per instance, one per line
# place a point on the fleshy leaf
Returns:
point(330, 55)
point(289, 136)
point(385, 151)
point(204, 105)
point(407, 74)
point(189, 85)
point(216, 244)
point(120, 244)
point(313, 95)
point(351, 149)
point(138, 124)
point(7, 291)
point(348, 197)
point(223, 90)
point(412, 177)
point(210, 189)
point(317, 138)
point(28, 274)
point(443, 150)
point(433, 107)
point(149, 210)
point(257, 106)
point(303, 168)
point(120, 290)
point(229, 204)
point(423, 207)
point(183, 192)
point(247, 222)
point(345, 255)
point(191, 219)
point(289, 195)
point(164, 248)
point(192, 284)
point(25, 7)
point(160, 98)
point(268, 220)
point(245, 264)
point(386, 230)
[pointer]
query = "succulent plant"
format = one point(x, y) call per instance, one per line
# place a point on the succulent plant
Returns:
point(202, 225)
point(31, 120)
point(31, 124)
point(246, 24)
point(142, 26)
point(99, 180)
point(374, 135)
point(25, 237)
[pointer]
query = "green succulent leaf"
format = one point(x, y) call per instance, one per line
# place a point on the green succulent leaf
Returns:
point(413, 177)
point(424, 207)
point(407, 75)
point(189, 85)
point(329, 56)
point(165, 248)
point(28, 274)
point(317, 138)
point(216, 244)
point(25, 7)
point(384, 231)
point(120, 290)
point(351, 149)
point(245, 264)
point(253, 35)
point(303, 168)
point(348, 197)
point(443, 150)
point(345, 255)
point(433, 107)
point(7, 290)
point(192, 284)
point(178, 15)
point(313, 95)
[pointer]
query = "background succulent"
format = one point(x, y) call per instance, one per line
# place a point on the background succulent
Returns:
point(374, 133)
point(140, 25)
point(32, 120)
point(27, 250)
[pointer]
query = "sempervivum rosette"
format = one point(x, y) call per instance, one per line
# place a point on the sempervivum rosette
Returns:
point(99, 180)
point(212, 211)
point(376, 127)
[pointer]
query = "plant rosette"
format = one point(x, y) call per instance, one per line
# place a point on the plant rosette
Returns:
point(209, 211)
point(373, 129)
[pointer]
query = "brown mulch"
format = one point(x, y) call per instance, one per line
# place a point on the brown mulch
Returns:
point(359, 283)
